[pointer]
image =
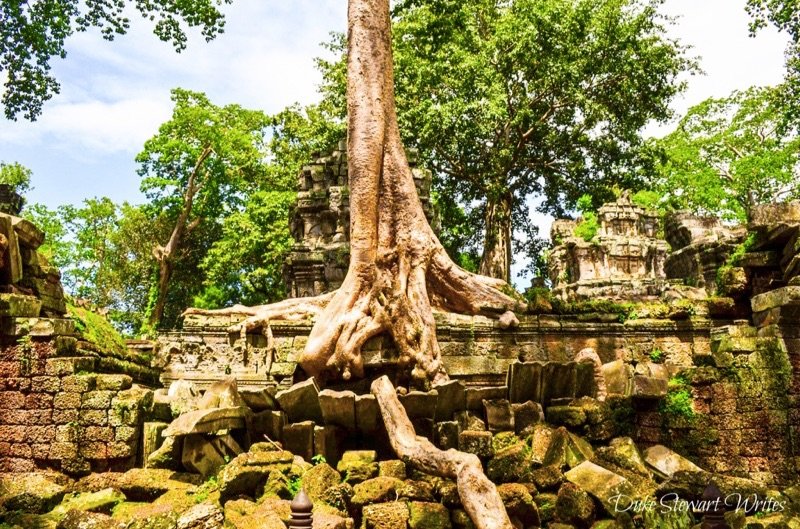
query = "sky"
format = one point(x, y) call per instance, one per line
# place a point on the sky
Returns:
point(114, 95)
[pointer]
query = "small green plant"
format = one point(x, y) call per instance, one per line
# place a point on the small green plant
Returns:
point(587, 228)
point(678, 401)
point(203, 491)
point(319, 459)
point(657, 355)
point(294, 485)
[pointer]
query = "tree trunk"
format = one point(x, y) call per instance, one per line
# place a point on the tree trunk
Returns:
point(399, 272)
point(165, 254)
point(496, 258)
point(478, 495)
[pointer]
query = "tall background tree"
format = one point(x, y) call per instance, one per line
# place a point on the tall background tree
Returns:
point(33, 33)
point(514, 102)
point(729, 155)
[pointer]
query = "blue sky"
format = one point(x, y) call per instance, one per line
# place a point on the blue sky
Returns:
point(114, 95)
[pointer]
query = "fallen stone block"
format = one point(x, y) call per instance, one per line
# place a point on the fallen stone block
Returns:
point(609, 488)
point(666, 462)
point(301, 402)
point(338, 408)
point(207, 421)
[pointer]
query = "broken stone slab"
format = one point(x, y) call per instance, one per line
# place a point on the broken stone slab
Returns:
point(628, 455)
point(368, 415)
point(33, 493)
point(526, 414)
point(298, 438)
point(27, 233)
point(338, 408)
point(519, 504)
point(151, 437)
point(645, 387)
point(618, 376)
point(182, 396)
point(567, 450)
point(207, 421)
point(102, 500)
point(524, 381)
point(609, 488)
point(475, 442)
point(788, 295)
point(358, 465)
point(476, 396)
point(452, 399)
point(205, 456)
point(445, 434)
point(666, 462)
point(168, 455)
point(540, 439)
point(301, 402)
point(222, 394)
point(247, 471)
point(499, 416)
point(420, 404)
point(570, 416)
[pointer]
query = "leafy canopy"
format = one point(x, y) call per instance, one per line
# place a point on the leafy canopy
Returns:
point(730, 154)
point(16, 175)
point(33, 32)
point(540, 100)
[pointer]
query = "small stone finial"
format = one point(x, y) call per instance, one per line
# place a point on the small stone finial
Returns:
point(714, 515)
point(301, 506)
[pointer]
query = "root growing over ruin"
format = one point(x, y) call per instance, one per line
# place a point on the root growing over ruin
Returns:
point(478, 495)
point(399, 272)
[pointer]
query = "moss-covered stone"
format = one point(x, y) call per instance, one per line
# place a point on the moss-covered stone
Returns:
point(546, 502)
point(318, 479)
point(413, 490)
point(394, 468)
point(358, 465)
point(33, 493)
point(574, 505)
point(393, 515)
point(427, 515)
point(519, 503)
point(513, 464)
point(376, 490)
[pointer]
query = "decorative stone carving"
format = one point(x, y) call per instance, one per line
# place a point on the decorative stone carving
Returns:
point(624, 260)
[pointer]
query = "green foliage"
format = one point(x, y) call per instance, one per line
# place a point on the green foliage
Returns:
point(785, 16)
point(588, 224)
point(527, 99)
point(729, 155)
point(647, 199)
point(16, 175)
point(97, 330)
point(205, 489)
point(678, 400)
point(624, 311)
point(32, 33)
point(319, 459)
point(294, 484)
point(656, 355)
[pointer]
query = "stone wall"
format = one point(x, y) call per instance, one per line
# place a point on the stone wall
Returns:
point(57, 412)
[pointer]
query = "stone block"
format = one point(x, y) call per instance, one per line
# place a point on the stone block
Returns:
point(474, 442)
point(570, 416)
point(301, 402)
point(646, 387)
point(207, 421)
point(45, 384)
point(394, 515)
point(338, 408)
point(499, 416)
point(419, 404)
point(269, 423)
point(204, 455)
point(19, 306)
point(326, 443)
point(151, 437)
point(368, 414)
point(666, 462)
point(526, 414)
point(445, 434)
point(97, 400)
point(114, 382)
point(600, 483)
point(298, 438)
point(525, 381)
point(476, 396)
point(428, 515)
point(452, 399)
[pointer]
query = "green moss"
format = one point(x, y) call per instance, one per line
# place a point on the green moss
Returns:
point(678, 401)
point(97, 330)
point(657, 355)
point(624, 311)
point(588, 227)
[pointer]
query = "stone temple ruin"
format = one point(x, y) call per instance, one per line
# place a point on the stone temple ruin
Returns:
point(658, 365)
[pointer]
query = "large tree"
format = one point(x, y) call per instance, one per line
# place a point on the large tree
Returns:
point(33, 32)
point(728, 155)
point(785, 16)
point(399, 271)
point(197, 169)
point(529, 99)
